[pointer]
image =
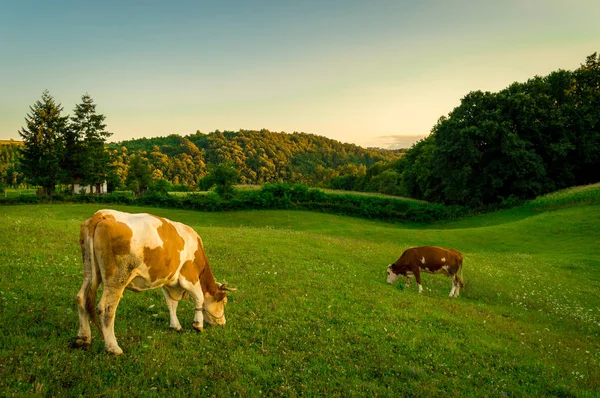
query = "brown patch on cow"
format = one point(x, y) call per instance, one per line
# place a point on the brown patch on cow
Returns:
point(207, 279)
point(94, 220)
point(200, 270)
point(111, 239)
point(191, 271)
point(163, 261)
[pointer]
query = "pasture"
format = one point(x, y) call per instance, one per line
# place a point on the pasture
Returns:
point(313, 314)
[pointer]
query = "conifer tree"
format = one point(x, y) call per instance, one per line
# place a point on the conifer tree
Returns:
point(43, 143)
point(86, 158)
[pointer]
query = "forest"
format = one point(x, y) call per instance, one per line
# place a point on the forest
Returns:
point(258, 156)
point(528, 139)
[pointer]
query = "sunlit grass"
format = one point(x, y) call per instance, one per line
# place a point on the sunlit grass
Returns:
point(313, 314)
point(585, 194)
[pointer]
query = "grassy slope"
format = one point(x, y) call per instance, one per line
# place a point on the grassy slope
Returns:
point(313, 314)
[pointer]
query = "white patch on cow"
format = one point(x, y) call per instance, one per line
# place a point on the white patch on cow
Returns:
point(420, 288)
point(142, 225)
point(443, 259)
point(446, 268)
point(453, 289)
point(391, 276)
point(423, 260)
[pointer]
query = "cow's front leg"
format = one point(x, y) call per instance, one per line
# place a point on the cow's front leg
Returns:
point(453, 287)
point(172, 298)
point(407, 285)
point(417, 275)
point(456, 285)
point(196, 294)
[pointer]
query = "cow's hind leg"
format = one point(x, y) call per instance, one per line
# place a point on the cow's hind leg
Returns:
point(107, 308)
point(85, 306)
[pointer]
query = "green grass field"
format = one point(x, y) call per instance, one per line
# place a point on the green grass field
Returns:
point(313, 315)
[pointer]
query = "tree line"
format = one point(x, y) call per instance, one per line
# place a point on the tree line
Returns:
point(59, 149)
point(526, 140)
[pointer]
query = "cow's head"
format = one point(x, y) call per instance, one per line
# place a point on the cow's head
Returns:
point(391, 275)
point(214, 305)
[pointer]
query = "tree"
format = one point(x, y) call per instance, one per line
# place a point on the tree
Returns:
point(85, 156)
point(223, 176)
point(43, 143)
point(139, 177)
point(417, 179)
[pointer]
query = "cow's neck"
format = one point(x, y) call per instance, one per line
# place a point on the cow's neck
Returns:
point(207, 281)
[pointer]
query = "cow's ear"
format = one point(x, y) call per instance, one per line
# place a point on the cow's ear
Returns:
point(220, 295)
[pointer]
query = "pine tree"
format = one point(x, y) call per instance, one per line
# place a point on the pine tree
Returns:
point(86, 158)
point(43, 143)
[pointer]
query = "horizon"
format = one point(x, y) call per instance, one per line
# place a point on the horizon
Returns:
point(377, 74)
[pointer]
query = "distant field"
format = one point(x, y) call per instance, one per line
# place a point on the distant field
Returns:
point(313, 315)
point(11, 142)
point(380, 195)
point(14, 193)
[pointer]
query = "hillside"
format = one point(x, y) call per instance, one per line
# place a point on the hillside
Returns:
point(313, 315)
point(262, 156)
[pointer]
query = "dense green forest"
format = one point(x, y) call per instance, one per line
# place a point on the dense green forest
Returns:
point(531, 138)
point(526, 140)
point(259, 156)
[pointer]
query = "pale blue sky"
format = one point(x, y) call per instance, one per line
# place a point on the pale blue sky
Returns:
point(366, 72)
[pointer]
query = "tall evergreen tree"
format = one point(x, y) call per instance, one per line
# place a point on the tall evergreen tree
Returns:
point(43, 143)
point(86, 158)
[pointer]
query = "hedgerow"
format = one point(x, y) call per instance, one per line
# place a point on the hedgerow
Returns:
point(275, 196)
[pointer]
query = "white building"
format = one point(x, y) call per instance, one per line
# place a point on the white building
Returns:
point(98, 188)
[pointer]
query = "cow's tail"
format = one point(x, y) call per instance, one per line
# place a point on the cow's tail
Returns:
point(91, 271)
point(461, 281)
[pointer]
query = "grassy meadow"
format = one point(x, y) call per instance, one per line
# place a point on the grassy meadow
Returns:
point(313, 314)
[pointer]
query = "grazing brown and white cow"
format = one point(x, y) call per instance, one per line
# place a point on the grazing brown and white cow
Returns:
point(140, 252)
point(431, 259)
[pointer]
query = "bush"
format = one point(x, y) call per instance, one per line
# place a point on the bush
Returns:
point(275, 196)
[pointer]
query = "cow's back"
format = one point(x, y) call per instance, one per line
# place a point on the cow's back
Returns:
point(431, 256)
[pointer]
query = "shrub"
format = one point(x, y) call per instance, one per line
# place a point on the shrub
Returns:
point(274, 196)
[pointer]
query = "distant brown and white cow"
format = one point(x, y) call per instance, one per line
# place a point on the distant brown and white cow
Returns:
point(431, 259)
point(140, 252)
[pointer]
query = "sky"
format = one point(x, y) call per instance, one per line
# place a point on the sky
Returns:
point(375, 73)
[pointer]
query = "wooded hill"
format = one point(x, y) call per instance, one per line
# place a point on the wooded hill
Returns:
point(259, 156)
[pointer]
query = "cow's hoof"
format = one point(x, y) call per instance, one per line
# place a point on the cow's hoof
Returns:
point(115, 351)
point(81, 342)
point(198, 326)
